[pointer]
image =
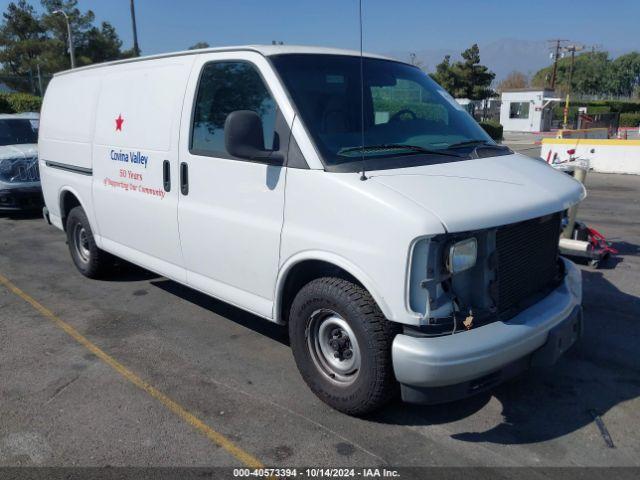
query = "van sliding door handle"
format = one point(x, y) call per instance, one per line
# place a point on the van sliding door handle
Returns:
point(184, 178)
point(166, 175)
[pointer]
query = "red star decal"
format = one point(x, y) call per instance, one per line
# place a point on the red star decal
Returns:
point(119, 122)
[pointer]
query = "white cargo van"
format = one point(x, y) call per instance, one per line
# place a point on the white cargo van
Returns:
point(350, 199)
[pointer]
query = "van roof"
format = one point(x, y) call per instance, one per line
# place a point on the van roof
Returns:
point(266, 50)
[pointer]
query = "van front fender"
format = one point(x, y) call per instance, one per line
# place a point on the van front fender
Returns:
point(335, 260)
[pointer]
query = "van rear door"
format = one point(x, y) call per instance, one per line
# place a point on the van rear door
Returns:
point(231, 210)
point(135, 162)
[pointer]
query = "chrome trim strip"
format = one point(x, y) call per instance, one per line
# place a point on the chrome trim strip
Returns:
point(69, 168)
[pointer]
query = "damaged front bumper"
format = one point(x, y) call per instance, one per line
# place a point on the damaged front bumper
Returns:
point(20, 196)
point(446, 368)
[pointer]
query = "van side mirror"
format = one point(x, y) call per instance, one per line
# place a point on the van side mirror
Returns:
point(244, 138)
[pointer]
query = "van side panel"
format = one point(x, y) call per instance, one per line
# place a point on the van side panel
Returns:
point(66, 131)
point(137, 131)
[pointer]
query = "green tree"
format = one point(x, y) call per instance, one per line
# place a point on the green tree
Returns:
point(81, 26)
point(467, 78)
point(594, 73)
point(101, 44)
point(445, 75)
point(23, 41)
point(474, 79)
point(29, 40)
point(625, 75)
point(590, 72)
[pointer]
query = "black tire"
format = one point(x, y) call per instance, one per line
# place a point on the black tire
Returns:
point(88, 258)
point(372, 384)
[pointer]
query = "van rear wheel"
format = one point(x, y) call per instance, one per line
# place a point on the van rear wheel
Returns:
point(341, 343)
point(88, 258)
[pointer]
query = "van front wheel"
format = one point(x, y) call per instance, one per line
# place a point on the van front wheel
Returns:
point(88, 258)
point(341, 343)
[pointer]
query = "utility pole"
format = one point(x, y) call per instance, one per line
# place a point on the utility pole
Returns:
point(72, 52)
point(556, 55)
point(573, 49)
point(136, 47)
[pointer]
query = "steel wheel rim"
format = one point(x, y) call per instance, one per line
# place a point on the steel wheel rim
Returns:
point(333, 347)
point(81, 243)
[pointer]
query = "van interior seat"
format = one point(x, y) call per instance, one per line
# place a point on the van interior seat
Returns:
point(335, 118)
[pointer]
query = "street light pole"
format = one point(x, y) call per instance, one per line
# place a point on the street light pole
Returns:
point(136, 47)
point(39, 80)
point(72, 52)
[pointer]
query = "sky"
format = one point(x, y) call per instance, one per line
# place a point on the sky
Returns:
point(389, 25)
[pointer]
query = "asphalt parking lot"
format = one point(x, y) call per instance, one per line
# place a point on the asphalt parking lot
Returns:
point(139, 370)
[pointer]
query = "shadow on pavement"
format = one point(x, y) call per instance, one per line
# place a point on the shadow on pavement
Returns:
point(241, 317)
point(21, 214)
point(626, 248)
point(600, 372)
point(124, 271)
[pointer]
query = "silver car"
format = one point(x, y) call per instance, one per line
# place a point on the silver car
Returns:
point(19, 175)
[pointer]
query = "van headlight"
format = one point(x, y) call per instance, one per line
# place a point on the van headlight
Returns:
point(462, 255)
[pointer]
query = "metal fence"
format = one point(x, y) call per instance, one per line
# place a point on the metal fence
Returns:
point(610, 120)
point(34, 83)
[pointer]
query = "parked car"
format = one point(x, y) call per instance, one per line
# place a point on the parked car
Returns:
point(19, 172)
point(349, 198)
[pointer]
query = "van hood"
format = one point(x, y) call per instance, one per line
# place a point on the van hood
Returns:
point(26, 150)
point(486, 192)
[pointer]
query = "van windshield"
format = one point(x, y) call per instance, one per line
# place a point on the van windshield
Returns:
point(17, 131)
point(408, 118)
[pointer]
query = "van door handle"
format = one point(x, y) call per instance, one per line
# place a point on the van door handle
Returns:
point(166, 175)
point(184, 178)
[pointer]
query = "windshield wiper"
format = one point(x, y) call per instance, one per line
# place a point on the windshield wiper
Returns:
point(479, 144)
point(397, 146)
point(469, 143)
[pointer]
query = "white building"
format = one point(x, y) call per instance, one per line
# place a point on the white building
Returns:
point(527, 110)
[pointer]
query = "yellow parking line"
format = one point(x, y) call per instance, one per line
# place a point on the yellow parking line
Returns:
point(216, 437)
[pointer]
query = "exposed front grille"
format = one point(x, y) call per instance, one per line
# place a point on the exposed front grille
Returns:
point(527, 262)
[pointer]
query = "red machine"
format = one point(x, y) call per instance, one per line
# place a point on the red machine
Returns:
point(577, 239)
